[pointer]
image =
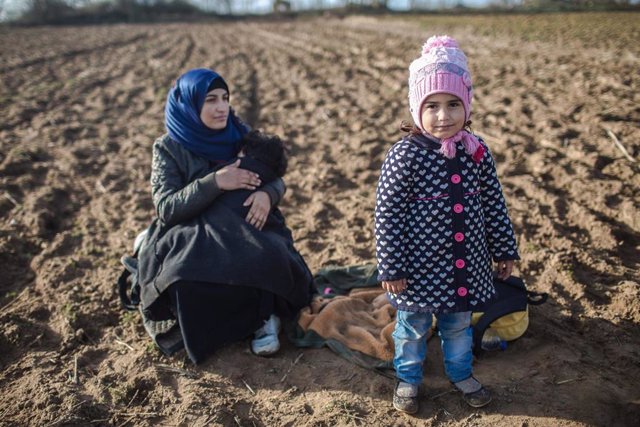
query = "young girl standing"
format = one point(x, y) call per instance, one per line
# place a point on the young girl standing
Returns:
point(440, 217)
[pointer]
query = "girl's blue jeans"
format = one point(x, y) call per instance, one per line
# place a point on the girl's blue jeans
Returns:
point(410, 341)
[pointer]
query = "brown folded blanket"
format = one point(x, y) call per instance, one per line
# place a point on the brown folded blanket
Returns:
point(363, 321)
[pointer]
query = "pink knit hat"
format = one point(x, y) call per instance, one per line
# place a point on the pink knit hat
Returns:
point(442, 68)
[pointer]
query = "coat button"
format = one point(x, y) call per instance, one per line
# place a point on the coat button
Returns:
point(455, 178)
point(460, 263)
point(459, 237)
point(457, 208)
point(462, 291)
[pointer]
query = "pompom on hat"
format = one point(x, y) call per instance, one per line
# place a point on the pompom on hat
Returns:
point(442, 68)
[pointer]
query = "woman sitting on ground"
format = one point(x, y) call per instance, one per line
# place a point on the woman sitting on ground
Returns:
point(219, 278)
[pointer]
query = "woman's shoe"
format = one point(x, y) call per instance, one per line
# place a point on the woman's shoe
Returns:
point(405, 397)
point(265, 341)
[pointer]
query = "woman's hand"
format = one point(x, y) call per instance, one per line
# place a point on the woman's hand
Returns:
point(394, 286)
point(260, 203)
point(231, 177)
point(504, 269)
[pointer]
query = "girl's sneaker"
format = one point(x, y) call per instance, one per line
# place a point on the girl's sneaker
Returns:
point(473, 393)
point(477, 399)
point(405, 397)
point(265, 341)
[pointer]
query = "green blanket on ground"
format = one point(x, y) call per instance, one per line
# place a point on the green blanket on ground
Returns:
point(351, 315)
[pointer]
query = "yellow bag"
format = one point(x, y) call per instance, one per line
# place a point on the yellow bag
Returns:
point(508, 327)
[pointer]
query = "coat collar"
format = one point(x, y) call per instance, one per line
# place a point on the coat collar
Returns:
point(424, 141)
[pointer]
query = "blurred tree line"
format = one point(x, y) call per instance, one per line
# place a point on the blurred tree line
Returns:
point(88, 11)
point(94, 11)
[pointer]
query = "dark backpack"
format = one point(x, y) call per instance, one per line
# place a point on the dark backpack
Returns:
point(512, 300)
point(128, 287)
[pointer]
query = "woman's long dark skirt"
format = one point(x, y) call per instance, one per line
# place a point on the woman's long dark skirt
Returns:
point(212, 315)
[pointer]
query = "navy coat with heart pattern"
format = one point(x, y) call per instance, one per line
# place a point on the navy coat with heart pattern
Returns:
point(438, 223)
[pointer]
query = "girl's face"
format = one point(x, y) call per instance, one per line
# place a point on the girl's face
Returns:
point(443, 115)
point(215, 109)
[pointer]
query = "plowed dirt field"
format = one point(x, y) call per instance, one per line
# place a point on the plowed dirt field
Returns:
point(81, 107)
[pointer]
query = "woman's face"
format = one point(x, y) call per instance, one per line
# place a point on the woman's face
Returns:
point(215, 109)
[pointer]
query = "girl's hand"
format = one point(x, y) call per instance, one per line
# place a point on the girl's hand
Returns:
point(504, 269)
point(231, 177)
point(260, 203)
point(394, 286)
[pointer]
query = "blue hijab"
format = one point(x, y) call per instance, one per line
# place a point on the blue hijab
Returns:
point(182, 119)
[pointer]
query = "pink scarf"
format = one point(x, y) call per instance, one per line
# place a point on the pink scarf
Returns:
point(470, 143)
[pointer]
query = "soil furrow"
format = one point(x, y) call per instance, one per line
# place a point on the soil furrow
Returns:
point(75, 52)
